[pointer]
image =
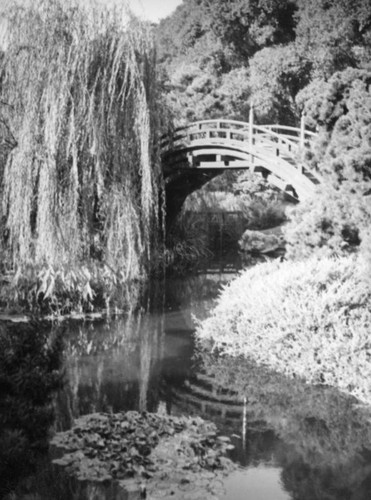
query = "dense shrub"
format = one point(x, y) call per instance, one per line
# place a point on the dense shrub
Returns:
point(334, 220)
point(309, 319)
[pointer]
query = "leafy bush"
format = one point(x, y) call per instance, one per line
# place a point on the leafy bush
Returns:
point(205, 200)
point(309, 319)
point(333, 221)
point(365, 253)
point(264, 214)
point(330, 223)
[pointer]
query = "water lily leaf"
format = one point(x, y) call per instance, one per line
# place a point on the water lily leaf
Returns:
point(119, 446)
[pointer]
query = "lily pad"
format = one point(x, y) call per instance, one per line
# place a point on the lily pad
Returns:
point(162, 455)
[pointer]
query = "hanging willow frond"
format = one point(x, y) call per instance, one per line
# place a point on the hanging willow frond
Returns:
point(84, 178)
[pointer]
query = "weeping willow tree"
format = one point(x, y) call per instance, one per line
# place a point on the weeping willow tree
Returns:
point(80, 176)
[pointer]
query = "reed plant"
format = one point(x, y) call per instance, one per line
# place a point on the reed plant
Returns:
point(80, 173)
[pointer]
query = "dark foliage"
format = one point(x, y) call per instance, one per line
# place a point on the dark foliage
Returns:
point(30, 373)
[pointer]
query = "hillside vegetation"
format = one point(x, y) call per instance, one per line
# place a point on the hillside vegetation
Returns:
point(309, 316)
point(285, 58)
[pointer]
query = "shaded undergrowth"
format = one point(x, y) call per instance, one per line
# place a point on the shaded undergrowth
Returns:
point(30, 374)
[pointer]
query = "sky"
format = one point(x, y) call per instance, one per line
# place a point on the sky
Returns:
point(153, 10)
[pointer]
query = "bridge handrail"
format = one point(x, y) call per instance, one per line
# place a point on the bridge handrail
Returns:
point(213, 120)
point(287, 127)
point(280, 138)
point(289, 141)
point(245, 126)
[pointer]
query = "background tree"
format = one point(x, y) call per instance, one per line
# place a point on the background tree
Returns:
point(277, 75)
point(335, 220)
point(213, 53)
point(179, 32)
point(247, 26)
point(334, 34)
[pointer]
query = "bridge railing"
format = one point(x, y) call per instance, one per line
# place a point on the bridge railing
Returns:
point(274, 140)
point(292, 132)
point(230, 130)
point(270, 143)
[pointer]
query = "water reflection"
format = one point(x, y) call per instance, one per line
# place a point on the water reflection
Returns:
point(127, 363)
point(322, 439)
point(30, 373)
point(257, 483)
point(115, 377)
point(292, 441)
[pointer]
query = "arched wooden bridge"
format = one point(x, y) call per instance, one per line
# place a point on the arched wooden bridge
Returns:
point(194, 154)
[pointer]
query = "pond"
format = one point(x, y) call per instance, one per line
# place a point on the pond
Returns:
point(291, 440)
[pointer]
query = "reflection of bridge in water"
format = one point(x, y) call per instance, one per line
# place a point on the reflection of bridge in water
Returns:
point(194, 154)
point(203, 395)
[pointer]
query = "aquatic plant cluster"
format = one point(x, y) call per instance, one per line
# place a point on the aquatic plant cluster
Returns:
point(80, 179)
point(308, 319)
point(136, 449)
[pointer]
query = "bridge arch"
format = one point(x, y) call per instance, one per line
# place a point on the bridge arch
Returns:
point(194, 154)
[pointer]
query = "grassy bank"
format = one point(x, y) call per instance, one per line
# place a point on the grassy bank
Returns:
point(307, 319)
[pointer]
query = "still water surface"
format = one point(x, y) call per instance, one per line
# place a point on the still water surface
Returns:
point(292, 441)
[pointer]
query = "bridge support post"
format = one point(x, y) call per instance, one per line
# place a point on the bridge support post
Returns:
point(302, 131)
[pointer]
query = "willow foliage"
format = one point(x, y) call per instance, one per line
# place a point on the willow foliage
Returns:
point(79, 101)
